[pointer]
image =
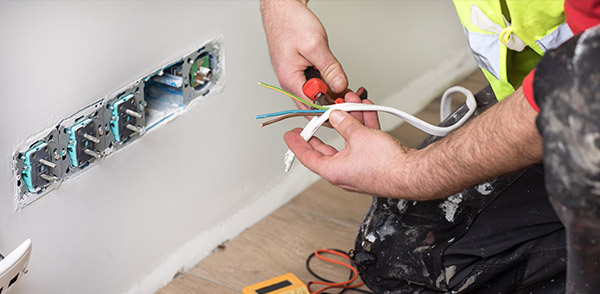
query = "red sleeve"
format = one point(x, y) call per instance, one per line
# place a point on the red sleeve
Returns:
point(528, 90)
point(582, 14)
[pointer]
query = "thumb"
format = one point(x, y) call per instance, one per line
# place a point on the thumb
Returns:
point(345, 124)
point(330, 68)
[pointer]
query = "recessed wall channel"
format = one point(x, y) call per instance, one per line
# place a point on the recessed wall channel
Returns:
point(90, 135)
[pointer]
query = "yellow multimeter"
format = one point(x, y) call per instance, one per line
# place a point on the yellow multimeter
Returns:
point(285, 284)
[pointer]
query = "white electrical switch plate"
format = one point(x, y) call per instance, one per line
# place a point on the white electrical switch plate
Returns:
point(13, 266)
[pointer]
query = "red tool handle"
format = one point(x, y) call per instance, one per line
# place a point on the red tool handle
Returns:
point(362, 93)
point(314, 84)
point(313, 87)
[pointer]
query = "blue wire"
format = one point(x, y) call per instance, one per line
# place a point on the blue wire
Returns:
point(161, 120)
point(288, 112)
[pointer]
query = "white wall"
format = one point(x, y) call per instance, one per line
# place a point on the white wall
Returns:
point(161, 204)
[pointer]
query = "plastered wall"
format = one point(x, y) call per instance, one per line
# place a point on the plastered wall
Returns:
point(130, 223)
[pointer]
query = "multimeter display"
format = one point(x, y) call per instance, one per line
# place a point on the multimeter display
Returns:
point(285, 284)
point(271, 288)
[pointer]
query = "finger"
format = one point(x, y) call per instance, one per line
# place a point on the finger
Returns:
point(302, 106)
point(371, 117)
point(292, 80)
point(338, 95)
point(308, 156)
point(318, 145)
point(331, 70)
point(296, 130)
point(297, 82)
point(345, 124)
point(353, 98)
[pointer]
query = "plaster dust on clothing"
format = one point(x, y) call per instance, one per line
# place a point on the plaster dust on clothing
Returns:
point(485, 188)
point(388, 229)
point(450, 205)
point(371, 237)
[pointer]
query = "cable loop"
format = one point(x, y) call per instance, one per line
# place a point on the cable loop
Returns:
point(330, 284)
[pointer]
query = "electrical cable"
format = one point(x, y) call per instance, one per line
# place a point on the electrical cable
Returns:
point(329, 281)
point(313, 125)
point(333, 284)
point(344, 285)
point(286, 117)
point(292, 96)
point(305, 112)
point(317, 276)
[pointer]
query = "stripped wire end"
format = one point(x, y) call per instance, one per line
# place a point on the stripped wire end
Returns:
point(294, 113)
point(292, 96)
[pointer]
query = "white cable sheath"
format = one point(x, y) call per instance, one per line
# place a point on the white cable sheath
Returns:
point(316, 122)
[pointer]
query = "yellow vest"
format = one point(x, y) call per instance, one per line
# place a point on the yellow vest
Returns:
point(507, 47)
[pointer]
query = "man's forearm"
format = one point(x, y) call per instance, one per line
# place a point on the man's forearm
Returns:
point(501, 140)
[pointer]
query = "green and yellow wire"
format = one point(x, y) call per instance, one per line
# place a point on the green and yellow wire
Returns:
point(293, 96)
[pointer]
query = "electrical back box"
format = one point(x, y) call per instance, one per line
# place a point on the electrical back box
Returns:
point(85, 138)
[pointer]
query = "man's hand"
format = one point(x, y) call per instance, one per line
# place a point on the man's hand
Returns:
point(369, 163)
point(297, 40)
point(501, 140)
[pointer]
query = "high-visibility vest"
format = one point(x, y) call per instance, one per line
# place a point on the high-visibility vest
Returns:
point(507, 47)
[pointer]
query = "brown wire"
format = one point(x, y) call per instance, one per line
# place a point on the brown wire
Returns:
point(328, 99)
point(288, 116)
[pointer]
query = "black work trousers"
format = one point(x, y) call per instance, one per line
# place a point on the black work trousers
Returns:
point(498, 237)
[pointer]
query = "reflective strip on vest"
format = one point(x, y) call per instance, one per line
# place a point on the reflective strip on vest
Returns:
point(537, 24)
point(555, 38)
point(485, 48)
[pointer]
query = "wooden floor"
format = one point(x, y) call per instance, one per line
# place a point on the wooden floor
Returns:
point(322, 216)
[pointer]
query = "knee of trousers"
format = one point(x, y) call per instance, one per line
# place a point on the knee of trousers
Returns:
point(567, 90)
